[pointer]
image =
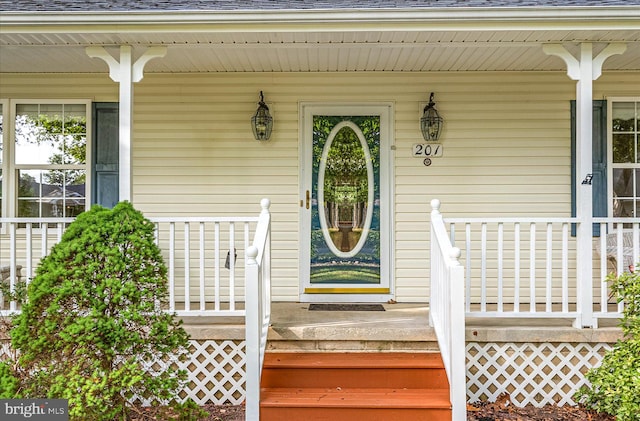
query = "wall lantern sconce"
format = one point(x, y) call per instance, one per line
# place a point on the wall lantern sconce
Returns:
point(262, 122)
point(431, 122)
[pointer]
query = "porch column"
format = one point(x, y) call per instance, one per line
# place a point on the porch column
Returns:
point(584, 70)
point(125, 72)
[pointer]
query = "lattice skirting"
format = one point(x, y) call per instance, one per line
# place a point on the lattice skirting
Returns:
point(531, 373)
point(216, 370)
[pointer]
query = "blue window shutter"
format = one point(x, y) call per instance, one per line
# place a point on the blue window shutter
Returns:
point(599, 171)
point(105, 154)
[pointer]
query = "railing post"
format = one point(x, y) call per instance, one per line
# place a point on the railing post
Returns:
point(436, 217)
point(252, 340)
point(584, 275)
point(447, 310)
point(458, 386)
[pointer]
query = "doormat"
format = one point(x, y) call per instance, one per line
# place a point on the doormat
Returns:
point(346, 307)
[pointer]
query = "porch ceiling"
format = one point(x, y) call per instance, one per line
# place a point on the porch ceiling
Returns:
point(313, 51)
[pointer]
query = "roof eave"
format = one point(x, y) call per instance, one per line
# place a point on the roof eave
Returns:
point(467, 18)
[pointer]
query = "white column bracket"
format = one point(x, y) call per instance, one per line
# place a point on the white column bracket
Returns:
point(101, 53)
point(573, 64)
point(114, 65)
point(151, 53)
point(610, 50)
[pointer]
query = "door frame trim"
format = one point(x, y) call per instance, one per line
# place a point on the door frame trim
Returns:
point(386, 290)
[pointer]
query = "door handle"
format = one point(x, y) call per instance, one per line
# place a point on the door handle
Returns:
point(308, 198)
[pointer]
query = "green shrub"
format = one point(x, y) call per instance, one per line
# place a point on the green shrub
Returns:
point(615, 384)
point(92, 319)
point(9, 384)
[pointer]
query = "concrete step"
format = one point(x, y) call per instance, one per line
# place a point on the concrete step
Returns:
point(337, 345)
point(353, 386)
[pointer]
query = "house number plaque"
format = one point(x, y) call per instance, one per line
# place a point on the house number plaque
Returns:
point(427, 150)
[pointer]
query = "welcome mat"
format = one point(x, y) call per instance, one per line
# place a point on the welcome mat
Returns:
point(346, 307)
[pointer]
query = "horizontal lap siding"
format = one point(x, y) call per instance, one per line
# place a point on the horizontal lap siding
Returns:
point(506, 148)
point(506, 153)
point(506, 136)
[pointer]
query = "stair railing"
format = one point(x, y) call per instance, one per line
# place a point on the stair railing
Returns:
point(446, 310)
point(257, 309)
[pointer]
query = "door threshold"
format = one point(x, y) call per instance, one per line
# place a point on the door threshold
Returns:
point(345, 298)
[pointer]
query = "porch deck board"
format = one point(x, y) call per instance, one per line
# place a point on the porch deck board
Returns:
point(402, 323)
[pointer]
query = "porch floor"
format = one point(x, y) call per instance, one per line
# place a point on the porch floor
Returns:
point(404, 323)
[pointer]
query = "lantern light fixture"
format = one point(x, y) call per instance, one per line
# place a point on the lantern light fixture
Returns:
point(262, 122)
point(431, 122)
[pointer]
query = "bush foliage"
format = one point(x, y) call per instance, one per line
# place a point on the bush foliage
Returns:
point(92, 319)
point(615, 384)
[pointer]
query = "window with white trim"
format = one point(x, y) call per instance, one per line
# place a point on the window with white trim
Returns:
point(624, 129)
point(47, 158)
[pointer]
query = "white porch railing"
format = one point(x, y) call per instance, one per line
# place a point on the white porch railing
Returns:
point(446, 311)
point(526, 267)
point(258, 314)
point(23, 242)
point(204, 255)
point(617, 250)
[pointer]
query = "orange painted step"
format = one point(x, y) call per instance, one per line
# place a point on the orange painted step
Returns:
point(354, 370)
point(314, 404)
point(354, 386)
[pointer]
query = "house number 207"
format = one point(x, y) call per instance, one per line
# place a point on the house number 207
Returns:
point(427, 149)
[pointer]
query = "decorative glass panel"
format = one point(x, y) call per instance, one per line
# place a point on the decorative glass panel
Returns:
point(345, 221)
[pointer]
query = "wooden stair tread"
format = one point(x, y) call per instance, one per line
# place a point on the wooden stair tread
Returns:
point(353, 360)
point(356, 398)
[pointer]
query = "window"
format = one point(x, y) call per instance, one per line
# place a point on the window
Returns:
point(624, 129)
point(48, 158)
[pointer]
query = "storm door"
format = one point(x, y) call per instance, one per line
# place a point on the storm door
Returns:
point(345, 204)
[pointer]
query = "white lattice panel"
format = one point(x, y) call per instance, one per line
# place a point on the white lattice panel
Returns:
point(216, 372)
point(531, 373)
point(5, 349)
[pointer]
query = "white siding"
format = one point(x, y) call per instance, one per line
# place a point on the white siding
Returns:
point(506, 147)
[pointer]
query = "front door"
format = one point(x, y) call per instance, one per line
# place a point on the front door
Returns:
point(345, 203)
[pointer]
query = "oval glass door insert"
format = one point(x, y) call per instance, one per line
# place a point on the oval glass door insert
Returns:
point(345, 190)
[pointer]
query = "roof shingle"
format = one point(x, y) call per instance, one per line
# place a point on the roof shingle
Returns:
point(244, 5)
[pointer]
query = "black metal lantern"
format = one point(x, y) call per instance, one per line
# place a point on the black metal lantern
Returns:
point(262, 122)
point(431, 122)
